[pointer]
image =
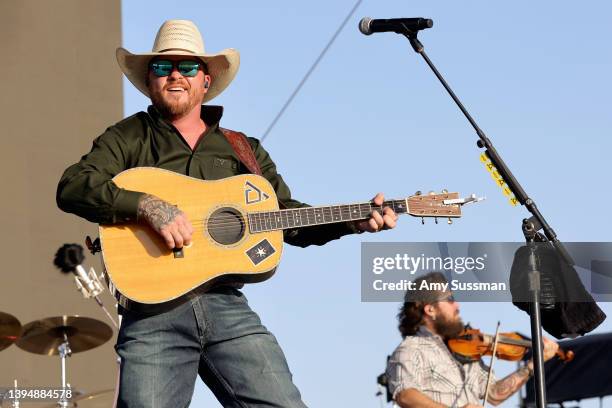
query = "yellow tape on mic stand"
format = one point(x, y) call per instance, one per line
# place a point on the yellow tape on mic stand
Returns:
point(499, 180)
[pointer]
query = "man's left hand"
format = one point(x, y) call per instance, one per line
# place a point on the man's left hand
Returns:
point(378, 222)
point(550, 349)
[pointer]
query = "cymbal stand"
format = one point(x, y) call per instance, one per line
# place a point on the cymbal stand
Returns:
point(15, 400)
point(64, 351)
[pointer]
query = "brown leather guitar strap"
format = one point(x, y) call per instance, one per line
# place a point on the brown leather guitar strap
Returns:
point(245, 154)
point(243, 149)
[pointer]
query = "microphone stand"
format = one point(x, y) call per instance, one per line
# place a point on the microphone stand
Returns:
point(530, 226)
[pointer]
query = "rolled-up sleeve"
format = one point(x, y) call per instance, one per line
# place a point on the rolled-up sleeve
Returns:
point(483, 374)
point(405, 370)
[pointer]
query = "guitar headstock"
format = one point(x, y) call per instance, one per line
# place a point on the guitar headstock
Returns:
point(434, 205)
point(442, 205)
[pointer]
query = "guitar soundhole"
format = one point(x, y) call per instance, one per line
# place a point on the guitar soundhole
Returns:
point(226, 226)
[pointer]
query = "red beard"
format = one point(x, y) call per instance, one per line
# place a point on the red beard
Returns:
point(172, 107)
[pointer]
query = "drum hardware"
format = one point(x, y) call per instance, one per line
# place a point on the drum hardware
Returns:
point(15, 402)
point(69, 258)
point(63, 336)
point(98, 399)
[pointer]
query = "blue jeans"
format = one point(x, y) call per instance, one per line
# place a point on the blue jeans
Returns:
point(215, 335)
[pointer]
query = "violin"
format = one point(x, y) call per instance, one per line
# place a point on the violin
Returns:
point(472, 344)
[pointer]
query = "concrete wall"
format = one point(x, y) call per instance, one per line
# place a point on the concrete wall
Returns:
point(60, 87)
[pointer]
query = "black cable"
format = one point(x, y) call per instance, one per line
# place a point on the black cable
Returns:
point(310, 71)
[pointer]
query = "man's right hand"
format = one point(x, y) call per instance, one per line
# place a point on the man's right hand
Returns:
point(166, 219)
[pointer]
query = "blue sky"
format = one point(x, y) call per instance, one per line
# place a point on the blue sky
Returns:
point(372, 117)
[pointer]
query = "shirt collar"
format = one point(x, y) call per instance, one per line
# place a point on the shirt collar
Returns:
point(425, 332)
point(210, 114)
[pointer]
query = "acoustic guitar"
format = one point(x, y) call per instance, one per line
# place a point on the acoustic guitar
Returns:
point(238, 234)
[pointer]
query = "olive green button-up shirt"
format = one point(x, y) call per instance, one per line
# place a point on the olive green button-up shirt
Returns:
point(146, 139)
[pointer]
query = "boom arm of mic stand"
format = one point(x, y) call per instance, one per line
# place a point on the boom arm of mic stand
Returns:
point(515, 187)
point(496, 160)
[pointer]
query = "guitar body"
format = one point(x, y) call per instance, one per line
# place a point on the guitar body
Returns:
point(145, 275)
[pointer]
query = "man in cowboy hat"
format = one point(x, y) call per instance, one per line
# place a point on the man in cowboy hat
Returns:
point(216, 334)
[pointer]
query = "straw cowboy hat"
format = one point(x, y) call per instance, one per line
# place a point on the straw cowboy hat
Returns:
point(181, 37)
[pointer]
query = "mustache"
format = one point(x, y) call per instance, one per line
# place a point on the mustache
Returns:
point(182, 84)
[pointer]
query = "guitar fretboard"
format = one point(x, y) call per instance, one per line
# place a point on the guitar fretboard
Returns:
point(307, 216)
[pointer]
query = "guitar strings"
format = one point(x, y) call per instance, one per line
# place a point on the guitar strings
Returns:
point(226, 223)
point(224, 218)
point(231, 222)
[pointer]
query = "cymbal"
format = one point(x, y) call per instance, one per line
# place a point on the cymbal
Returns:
point(10, 329)
point(100, 399)
point(45, 335)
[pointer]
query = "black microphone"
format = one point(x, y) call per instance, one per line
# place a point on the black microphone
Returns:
point(396, 25)
point(69, 259)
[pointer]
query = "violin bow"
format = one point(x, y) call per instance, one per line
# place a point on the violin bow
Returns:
point(484, 400)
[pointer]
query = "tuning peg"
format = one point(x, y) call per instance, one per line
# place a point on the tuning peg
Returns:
point(418, 193)
point(423, 220)
point(450, 221)
point(444, 191)
point(432, 192)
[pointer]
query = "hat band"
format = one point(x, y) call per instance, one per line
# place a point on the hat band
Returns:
point(176, 49)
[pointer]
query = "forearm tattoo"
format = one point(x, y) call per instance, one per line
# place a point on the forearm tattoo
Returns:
point(156, 211)
point(502, 389)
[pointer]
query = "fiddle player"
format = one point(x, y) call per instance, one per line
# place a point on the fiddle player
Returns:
point(422, 371)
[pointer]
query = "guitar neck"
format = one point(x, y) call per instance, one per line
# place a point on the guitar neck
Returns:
point(309, 216)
